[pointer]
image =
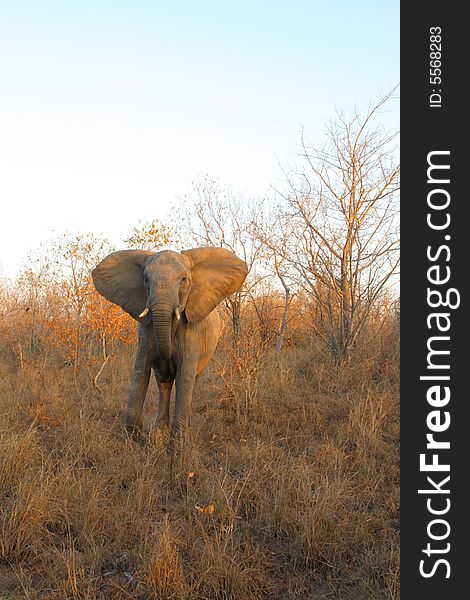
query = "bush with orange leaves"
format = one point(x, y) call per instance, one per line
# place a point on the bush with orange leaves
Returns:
point(87, 327)
point(58, 310)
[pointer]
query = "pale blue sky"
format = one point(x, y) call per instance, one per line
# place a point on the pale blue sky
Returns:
point(108, 110)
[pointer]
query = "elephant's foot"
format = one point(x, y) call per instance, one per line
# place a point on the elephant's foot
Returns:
point(162, 423)
point(134, 426)
point(158, 438)
point(178, 433)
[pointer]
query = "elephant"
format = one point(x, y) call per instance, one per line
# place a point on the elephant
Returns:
point(173, 296)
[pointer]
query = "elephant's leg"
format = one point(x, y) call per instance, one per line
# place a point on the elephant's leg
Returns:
point(163, 410)
point(185, 382)
point(139, 383)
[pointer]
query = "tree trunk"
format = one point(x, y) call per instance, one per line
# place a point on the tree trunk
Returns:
point(236, 320)
point(283, 330)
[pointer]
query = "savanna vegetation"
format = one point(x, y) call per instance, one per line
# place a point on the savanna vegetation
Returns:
point(288, 485)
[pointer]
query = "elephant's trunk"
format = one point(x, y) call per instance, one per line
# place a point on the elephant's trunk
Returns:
point(162, 317)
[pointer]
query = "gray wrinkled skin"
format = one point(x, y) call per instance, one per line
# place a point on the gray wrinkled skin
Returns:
point(170, 284)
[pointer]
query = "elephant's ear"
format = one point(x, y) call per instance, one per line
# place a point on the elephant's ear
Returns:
point(119, 278)
point(216, 274)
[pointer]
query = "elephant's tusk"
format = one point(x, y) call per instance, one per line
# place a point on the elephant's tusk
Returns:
point(177, 313)
point(144, 313)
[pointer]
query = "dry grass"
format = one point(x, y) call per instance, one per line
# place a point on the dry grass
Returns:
point(287, 489)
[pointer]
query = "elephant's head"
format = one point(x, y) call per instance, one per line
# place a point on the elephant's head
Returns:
point(167, 286)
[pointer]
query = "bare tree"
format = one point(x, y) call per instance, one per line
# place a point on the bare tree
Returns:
point(343, 243)
point(273, 234)
point(216, 217)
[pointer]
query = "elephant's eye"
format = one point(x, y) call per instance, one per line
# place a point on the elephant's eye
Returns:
point(183, 279)
point(146, 280)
